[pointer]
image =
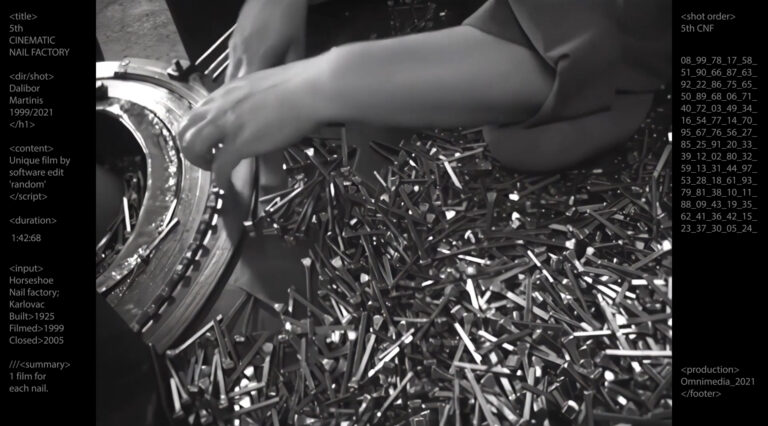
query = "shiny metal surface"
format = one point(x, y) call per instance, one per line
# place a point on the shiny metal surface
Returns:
point(152, 106)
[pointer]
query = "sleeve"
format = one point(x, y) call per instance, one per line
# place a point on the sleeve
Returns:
point(580, 40)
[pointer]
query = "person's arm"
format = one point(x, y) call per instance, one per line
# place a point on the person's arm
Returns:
point(268, 33)
point(454, 77)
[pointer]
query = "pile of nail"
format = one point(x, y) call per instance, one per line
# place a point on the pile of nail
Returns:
point(453, 291)
point(411, 16)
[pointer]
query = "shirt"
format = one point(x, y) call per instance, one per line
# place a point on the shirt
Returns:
point(608, 57)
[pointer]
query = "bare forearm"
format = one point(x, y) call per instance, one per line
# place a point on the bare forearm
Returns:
point(454, 77)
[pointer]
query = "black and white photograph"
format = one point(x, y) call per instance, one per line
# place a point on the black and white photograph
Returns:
point(384, 212)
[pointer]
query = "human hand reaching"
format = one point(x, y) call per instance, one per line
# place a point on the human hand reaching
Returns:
point(268, 33)
point(253, 115)
point(432, 79)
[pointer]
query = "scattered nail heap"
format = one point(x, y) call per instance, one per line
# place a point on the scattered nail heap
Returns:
point(452, 291)
point(412, 16)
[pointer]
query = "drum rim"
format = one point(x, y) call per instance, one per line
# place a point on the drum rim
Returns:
point(168, 325)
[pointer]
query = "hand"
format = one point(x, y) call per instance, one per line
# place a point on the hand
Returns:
point(253, 115)
point(268, 33)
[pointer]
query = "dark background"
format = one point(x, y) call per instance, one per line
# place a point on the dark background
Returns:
point(719, 312)
point(66, 252)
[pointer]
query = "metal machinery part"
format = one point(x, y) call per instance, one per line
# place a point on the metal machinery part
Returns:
point(165, 277)
point(187, 229)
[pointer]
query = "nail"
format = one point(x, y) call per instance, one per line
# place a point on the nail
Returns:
point(226, 361)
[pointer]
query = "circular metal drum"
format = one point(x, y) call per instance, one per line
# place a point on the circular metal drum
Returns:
point(165, 236)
